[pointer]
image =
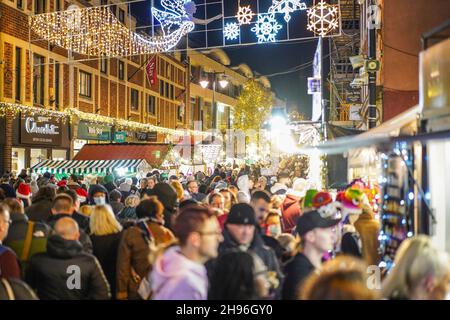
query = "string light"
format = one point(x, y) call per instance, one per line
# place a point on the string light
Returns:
point(74, 115)
point(266, 28)
point(96, 31)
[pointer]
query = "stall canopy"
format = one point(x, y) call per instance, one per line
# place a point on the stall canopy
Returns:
point(154, 154)
point(126, 166)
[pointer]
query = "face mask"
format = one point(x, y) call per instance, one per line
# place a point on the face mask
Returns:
point(100, 200)
point(274, 229)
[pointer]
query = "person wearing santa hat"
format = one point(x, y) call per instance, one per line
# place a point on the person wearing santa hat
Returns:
point(24, 194)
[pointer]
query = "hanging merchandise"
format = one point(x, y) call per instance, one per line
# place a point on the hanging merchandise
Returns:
point(287, 7)
point(393, 218)
point(266, 28)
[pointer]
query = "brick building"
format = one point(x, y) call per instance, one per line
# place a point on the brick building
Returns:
point(33, 73)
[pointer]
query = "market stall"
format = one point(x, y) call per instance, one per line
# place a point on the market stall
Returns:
point(128, 167)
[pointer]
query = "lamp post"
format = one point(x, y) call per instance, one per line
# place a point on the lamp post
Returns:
point(223, 82)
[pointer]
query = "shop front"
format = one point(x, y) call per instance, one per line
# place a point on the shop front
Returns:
point(91, 133)
point(37, 138)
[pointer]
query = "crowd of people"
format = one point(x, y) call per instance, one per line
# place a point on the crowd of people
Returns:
point(232, 235)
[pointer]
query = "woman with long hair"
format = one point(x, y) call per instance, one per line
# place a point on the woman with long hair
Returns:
point(420, 272)
point(106, 233)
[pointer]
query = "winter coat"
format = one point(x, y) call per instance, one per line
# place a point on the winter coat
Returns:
point(116, 206)
point(84, 238)
point(40, 210)
point(105, 250)
point(82, 220)
point(168, 197)
point(290, 212)
point(127, 213)
point(257, 246)
point(368, 228)
point(98, 188)
point(9, 190)
point(133, 255)
point(296, 271)
point(50, 273)
point(20, 290)
point(9, 265)
point(110, 186)
point(161, 234)
point(175, 277)
point(17, 234)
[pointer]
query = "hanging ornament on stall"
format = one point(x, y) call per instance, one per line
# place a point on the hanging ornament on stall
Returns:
point(287, 7)
point(323, 18)
point(266, 28)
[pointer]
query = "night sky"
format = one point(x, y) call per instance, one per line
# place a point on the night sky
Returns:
point(265, 59)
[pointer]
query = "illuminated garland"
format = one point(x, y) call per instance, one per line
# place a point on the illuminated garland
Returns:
point(96, 31)
point(14, 109)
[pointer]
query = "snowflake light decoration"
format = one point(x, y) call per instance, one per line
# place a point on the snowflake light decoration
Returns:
point(245, 15)
point(231, 31)
point(323, 18)
point(287, 7)
point(266, 28)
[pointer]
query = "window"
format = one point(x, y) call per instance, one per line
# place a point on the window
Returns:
point(166, 92)
point(18, 73)
point(121, 15)
point(121, 70)
point(57, 5)
point(57, 78)
point(161, 88)
point(151, 105)
point(134, 99)
point(20, 4)
point(84, 84)
point(113, 9)
point(104, 65)
point(38, 79)
point(40, 6)
point(103, 2)
point(180, 111)
point(172, 96)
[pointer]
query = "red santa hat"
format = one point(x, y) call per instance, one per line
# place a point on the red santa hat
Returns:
point(82, 195)
point(62, 183)
point(23, 191)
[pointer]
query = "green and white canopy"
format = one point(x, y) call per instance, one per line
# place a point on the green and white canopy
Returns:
point(121, 167)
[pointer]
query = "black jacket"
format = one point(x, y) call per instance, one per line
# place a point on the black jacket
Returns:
point(52, 272)
point(168, 197)
point(40, 210)
point(266, 254)
point(84, 238)
point(20, 290)
point(296, 271)
point(82, 220)
point(105, 250)
point(9, 190)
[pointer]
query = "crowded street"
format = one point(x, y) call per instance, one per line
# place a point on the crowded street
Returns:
point(224, 150)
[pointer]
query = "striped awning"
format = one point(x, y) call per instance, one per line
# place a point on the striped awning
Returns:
point(90, 166)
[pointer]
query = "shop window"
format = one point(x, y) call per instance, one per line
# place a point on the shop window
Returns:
point(18, 73)
point(18, 159)
point(84, 84)
point(151, 105)
point(37, 155)
point(38, 79)
point(134, 99)
point(59, 155)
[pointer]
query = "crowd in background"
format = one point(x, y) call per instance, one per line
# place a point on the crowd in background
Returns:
point(235, 234)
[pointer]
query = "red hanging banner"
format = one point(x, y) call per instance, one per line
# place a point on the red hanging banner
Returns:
point(151, 70)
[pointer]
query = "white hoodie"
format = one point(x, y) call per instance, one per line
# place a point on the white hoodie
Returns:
point(175, 277)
